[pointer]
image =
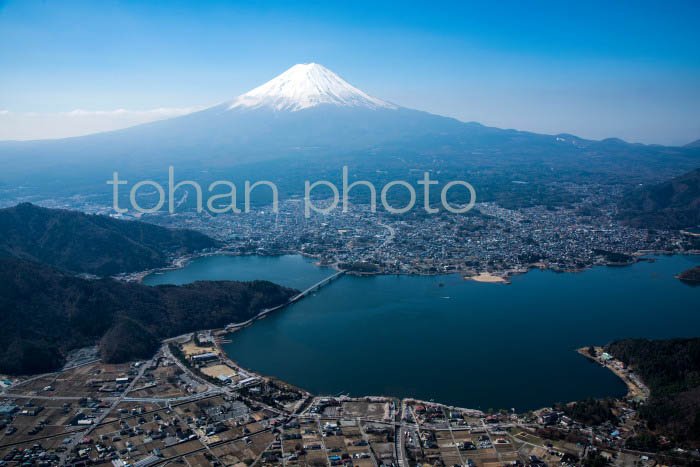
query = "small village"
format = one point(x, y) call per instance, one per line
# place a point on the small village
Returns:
point(192, 405)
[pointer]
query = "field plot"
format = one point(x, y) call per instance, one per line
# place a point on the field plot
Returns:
point(362, 409)
point(234, 453)
point(35, 387)
point(336, 447)
point(357, 446)
point(40, 419)
point(244, 450)
point(218, 370)
point(381, 440)
point(162, 382)
point(199, 459)
point(190, 349)
point(448, 449)
point(182, 449)
point(198, 409)
point(14, 452)
point(311, 452)
point(92, 380)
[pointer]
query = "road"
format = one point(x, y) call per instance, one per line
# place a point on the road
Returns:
point(392, 234)
point(317, 285)
point(78, 437)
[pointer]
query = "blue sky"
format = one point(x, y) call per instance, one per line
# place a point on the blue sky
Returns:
point(630, 70)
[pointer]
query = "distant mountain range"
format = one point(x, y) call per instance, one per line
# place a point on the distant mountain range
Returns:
point(311, 119)
point(674, 204)
point(79, 243)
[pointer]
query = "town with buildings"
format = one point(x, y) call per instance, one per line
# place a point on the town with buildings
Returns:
point(254, 234)
point(487, 243)
point(192, 405)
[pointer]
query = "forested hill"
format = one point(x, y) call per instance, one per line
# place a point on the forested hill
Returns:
point(44, 313)
point(80, 243)
point(691, 276)
point(674, 204)
point(671, 368)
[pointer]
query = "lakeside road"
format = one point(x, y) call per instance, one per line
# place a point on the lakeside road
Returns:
point(635, 387)
point(367, 309)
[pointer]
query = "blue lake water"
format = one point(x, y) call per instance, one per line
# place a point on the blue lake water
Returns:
point(463, 343)
point(294, 271)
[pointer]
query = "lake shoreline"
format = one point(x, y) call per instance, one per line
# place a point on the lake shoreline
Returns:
point(327, 314)
point(503, 276)
point(636, 389)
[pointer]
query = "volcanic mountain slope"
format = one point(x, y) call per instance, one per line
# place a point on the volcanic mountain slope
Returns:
point(310, 113)
point(45, 313)
point(674, 204)
point(79, 243)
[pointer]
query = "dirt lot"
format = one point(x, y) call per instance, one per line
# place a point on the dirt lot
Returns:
point(365, 409)
point(191, 348)
point(218, 370)
point(74, 382)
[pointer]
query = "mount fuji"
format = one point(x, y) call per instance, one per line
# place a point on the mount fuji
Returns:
point(308, 110)
point(304, 86)
point(309, 113)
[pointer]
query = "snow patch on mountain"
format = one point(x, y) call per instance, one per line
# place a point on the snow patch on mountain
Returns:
point(307, 85)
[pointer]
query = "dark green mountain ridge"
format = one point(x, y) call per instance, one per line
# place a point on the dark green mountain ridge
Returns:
point(80, 243)
point(44, 313)
point(671, 369)
point(674, 204)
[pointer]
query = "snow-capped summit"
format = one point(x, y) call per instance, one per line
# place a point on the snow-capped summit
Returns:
point(307, 85)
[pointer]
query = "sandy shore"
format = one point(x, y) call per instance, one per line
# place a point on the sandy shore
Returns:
point(489, 278)
point(635, 387)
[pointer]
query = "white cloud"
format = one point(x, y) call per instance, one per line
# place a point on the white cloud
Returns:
point(78, 122)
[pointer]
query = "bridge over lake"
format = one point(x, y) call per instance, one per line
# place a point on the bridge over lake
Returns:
point(317, 286)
